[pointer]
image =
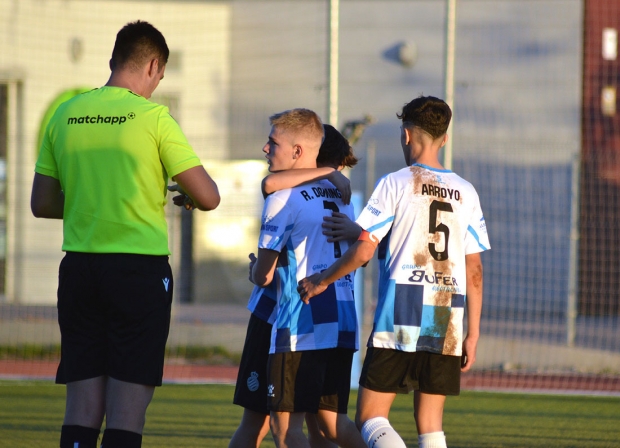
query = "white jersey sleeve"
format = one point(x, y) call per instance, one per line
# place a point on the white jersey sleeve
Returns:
point(277, 222)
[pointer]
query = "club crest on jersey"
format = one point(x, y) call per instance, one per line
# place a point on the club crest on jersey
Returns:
point(252, 382)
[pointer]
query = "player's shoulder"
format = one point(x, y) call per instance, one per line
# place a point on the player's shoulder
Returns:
point(402, 175)
point(283, 198)
point(463, 183)
point(324, 189)
point(308, 195)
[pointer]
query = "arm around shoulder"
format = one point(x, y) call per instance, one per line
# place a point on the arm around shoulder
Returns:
point(293, 178)
point(47, 199)
point(200, 187)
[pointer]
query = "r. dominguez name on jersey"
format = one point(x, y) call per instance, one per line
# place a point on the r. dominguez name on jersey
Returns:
point(319, 192)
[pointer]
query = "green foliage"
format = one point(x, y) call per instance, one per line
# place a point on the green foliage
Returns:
point(194, 354)
point(30, 351)
point(208, 355)
point(203, 415)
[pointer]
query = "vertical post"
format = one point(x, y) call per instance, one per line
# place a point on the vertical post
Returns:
point(357, 200)
point(369, 270)
point(334, 24)
point(573, 263)
point(12, 265)
point(450, 38)
point(186, 264)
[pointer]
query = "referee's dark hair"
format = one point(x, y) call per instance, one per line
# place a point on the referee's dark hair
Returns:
point(136, 44)
point(430, 114)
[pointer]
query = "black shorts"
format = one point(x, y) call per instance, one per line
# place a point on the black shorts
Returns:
point(114, 316)
point(396, 371)
point(251, 387)
point(307, 381)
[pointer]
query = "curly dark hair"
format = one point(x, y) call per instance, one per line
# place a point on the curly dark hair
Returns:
point(430, 114)
point(335, 150)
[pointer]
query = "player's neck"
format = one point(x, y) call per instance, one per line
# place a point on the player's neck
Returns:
point(302, 163)
point(120, 79)
point(429, 159)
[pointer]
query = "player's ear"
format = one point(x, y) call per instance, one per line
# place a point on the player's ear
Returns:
point(406, 134)
point(444, 140)
point(153, 67)
point(297, 151)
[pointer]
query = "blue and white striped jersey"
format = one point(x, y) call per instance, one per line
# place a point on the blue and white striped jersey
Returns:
point(262, 302)
point(292, 225)
point(427, 221)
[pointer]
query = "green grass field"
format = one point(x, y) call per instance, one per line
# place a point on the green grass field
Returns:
point(203, 416)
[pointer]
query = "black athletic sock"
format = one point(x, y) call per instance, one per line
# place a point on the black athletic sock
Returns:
point(83, 436)
point(119, 438)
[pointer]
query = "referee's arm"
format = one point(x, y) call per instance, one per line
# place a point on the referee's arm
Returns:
point(200, 187)
point(47, 199)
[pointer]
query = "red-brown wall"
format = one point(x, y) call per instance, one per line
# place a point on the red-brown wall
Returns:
point(599, 260)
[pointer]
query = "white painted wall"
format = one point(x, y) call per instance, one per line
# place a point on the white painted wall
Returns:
point(35, 43)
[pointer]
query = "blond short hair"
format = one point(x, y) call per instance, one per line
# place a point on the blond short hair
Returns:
point(302, 123)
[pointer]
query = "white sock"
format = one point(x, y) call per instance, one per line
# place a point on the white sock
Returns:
point(378, 433)
point(432, 440)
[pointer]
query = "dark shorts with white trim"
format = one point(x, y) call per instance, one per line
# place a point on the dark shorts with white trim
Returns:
point(307, 381)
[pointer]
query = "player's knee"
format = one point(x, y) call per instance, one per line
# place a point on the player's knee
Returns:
point(358, 422)
point(378, 433)
point(337, 430)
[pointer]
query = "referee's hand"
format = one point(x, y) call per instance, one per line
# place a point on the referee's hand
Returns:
point(182, 200)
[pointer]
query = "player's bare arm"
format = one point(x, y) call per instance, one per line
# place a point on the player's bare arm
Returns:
point(264, 267)
point(473, 265)
point(359, 254)
point(47, 199)
point(293, 178)
point(338, 227)
point(199, 187)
